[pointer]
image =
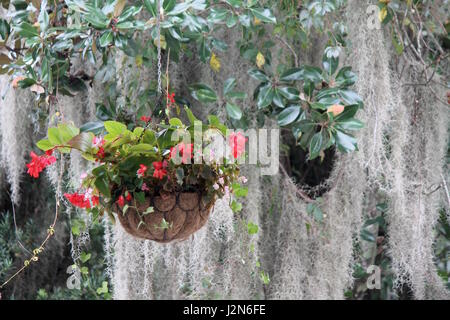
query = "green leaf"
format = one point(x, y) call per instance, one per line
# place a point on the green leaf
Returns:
point(315, 145)
point(67, 132)
point(142, 148)
point(288, 115)
point(140, 197)
point(290, 93)
point(5, 29)
point(43, 16)
point(229, 85)
point(106, 38)
point(84, 257)
point(252, 228)
point(54, 137)
point(312, 74)
point(150, 5)
point(258, 75)
point(330, 64)
point(278, 99)
point(114, 127)
point(344, 142)
point(264, 15)
point(176, 122)
point(44, 145)
point(102, 186)
point(367, 235)
point(190, 115)
point(350, 97)
point(265, 95)
point(149, 137)
point(26, 30)
point(233, 111)
point(95, 127)
point(293, 74)
point(203, 93)
point(345, 77)
point(351, 124)
point(236, 206)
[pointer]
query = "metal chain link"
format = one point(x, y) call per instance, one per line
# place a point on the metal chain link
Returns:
point(158, 26)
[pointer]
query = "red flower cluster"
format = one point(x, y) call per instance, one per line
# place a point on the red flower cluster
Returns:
point(237, 143)
point(146, 119)
point(160, 169)
point(81, 200)
point(170, 99)
point(185, 150)
point(141, 171)
point(39, 163)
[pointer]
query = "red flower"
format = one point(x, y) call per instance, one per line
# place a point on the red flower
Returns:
point(128, 197)
point(160, 170)
point(146, 119)
point(237, 144)
point(141, 171)
point(171, 98)
point(121, 201)
point(186, 151)
point(101, 153)
point(39, 163)
point(82, 200)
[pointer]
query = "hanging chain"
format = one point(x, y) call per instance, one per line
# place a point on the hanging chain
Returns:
point(158, 27)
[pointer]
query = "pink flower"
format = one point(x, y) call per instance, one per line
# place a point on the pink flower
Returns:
point(237, 144)
point(88, 194)
point(145, 187)
point(216, 186)
point(221, 180)
point(141, 171)
point(227, 192)
point(98, 142)
point(243, 179)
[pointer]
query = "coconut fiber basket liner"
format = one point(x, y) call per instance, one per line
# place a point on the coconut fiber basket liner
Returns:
point(184, 212)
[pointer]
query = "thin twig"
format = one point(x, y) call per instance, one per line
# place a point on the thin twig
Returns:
point(289, 47)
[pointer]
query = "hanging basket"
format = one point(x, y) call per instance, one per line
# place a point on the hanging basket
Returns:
point(184, 213)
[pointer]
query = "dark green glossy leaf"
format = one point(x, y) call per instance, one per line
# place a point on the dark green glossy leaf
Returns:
point(290, 93)
point(233, 111)
point(258, 75)
point(315, 145)
point(264, 15)
point(288, 115)
point(344, 142)
point(265, 96)
point(293, 74)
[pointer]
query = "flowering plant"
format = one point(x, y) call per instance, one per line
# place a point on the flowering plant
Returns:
point(133, 162)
